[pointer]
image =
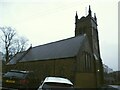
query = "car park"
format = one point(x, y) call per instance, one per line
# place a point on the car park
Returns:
point(19, 79)
point(55, 83)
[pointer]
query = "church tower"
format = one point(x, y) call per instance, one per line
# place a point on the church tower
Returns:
point(88, 25)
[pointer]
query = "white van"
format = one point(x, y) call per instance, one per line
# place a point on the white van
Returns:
point(53, 83)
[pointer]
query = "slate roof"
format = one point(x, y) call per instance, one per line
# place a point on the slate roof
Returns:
point(16, 58)
point(59, 49)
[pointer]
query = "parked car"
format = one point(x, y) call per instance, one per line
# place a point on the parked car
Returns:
point(18, 79)
point(53, 83)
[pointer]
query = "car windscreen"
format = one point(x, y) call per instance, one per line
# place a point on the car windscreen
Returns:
point(15, 74)
point(48, 85)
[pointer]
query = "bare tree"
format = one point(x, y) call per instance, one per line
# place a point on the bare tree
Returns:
point(8, 33)
point(12, 43)
point(20, 44)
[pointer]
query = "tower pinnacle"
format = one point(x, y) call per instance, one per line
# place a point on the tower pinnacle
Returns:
point(90, 11)
point(76, 17)
point(95, 17)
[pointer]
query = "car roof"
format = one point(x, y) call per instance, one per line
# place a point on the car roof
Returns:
point(58, 80)
point(20, 71)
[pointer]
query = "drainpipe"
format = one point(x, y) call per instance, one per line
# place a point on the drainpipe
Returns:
point(54, 67)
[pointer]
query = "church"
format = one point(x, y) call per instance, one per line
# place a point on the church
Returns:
point(76, 58)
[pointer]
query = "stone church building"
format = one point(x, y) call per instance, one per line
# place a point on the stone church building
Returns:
point(76, 58)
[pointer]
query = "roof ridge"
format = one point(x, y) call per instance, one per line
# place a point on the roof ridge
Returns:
point(58, 41)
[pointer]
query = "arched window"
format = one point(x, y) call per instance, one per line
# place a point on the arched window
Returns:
point(87, 62)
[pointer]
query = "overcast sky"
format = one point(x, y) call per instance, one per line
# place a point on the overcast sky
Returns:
point(44, 21)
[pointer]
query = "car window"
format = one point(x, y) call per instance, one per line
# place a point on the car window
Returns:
point(15, 74)
point(56, 85)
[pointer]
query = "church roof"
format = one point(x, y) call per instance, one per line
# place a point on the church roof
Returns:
point(59, 49)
